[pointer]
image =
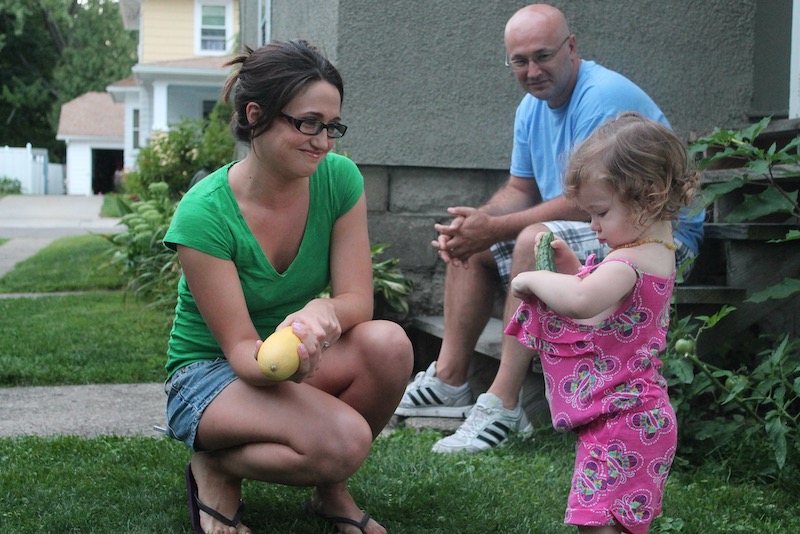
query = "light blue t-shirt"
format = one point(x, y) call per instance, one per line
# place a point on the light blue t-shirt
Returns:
point(544, 137)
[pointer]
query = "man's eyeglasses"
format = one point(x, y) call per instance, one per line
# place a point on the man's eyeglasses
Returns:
point(542, 58)
point(314, 127)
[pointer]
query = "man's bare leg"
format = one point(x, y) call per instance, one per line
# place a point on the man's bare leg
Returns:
point(515, 358)
point(468, 301)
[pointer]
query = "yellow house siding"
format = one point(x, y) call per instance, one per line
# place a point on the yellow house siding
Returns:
point(168, 29)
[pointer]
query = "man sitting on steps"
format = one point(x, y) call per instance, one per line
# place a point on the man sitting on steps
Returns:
point(568, 98)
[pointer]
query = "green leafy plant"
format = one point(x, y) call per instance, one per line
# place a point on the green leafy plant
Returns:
point(747, 405)
point(749, 409)
point(740, 145)
point(390, 285)
point(151, 270)
point(10, 186)
point(761, 170)
point(741, 407)
point(173, 157)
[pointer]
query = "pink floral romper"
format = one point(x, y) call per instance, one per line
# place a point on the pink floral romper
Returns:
point(603, 382)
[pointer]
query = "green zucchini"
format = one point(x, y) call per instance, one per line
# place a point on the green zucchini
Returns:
point(545, 255)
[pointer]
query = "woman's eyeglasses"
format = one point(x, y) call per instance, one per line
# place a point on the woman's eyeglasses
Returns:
point(314, 127)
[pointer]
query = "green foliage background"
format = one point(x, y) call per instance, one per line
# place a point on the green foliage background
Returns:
point(52, 51)
point(175, 156)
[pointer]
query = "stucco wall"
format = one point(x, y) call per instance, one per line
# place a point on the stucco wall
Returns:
point(430, 104)
point(314, 20)
point(426, 84)
point(695, 59)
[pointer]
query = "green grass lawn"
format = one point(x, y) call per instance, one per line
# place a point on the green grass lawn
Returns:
point(73, 263)
point(110, 206)
point(90, 338)
point(132, 485)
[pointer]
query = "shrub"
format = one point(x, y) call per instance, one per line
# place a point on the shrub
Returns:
point(175, 156)
point(744, 418)
point(10, 186)
point(741, 410)
point(151, 270)
point(390, 286)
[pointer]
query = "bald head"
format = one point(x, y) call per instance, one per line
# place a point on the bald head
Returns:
point(541, 18)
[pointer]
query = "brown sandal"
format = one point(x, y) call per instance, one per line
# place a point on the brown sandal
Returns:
point(333, 519)
point(196, 505)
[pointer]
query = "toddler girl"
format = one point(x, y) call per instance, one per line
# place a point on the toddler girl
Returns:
point(599, 328)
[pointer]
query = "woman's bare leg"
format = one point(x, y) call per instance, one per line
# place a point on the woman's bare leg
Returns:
point(313, 434)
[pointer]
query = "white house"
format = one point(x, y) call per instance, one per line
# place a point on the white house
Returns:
point(183, 47)
point(92, 127)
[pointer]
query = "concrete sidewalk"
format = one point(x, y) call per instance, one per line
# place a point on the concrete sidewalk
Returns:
point(86, 411)
point(33, 222)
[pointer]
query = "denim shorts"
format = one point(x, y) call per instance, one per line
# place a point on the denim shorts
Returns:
point(583, 241)
point(190, 390)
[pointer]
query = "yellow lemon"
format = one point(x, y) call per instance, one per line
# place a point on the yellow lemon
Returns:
point(277, 356)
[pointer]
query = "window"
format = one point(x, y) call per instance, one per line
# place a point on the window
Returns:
point(213, 26)
point(208, 107)
point(135, 124)
point(264, 34)
point(212, 29)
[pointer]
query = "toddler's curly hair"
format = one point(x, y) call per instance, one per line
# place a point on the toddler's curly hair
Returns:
point(642, 160)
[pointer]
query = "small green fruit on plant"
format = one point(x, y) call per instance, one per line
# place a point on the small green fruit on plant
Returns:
point(685, 346)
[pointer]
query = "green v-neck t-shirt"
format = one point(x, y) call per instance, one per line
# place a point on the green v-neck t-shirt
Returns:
point(208, 219)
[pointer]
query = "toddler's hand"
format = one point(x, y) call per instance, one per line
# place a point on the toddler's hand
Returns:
point(565, 259)
point(519, 286)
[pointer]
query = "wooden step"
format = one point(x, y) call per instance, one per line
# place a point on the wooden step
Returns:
point(708, 294)
point(747, 231)
point(488, 343)
point(780, 173)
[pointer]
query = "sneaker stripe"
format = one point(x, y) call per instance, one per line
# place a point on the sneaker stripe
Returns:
point(419, 398)
point(502, 427)
point(491, 443)
point(435, 398)
point(494, 434)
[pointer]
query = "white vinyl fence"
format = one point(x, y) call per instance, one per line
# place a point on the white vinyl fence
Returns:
point(32, 168)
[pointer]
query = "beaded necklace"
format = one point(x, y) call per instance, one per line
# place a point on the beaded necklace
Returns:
point(669, 245)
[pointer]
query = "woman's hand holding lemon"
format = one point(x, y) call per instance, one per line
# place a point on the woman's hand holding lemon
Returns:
point(278, 356)
point(295, 349)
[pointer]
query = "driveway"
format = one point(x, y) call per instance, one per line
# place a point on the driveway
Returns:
point(53, 216)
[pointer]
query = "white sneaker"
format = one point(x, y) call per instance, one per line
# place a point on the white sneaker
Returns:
point(427, 396)
point(488, 425)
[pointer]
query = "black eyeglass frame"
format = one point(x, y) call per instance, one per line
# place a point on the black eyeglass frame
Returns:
point(542, 58)
point(331, 129)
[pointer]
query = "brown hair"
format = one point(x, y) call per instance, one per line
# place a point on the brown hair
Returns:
point(271, 76)
point(642, 160)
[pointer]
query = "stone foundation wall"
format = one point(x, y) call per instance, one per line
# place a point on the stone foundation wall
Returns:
point(405, 202)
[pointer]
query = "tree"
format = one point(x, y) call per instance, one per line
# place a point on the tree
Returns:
point(52, 51)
